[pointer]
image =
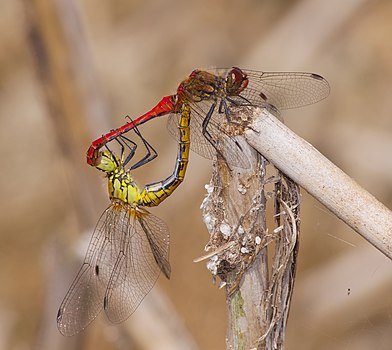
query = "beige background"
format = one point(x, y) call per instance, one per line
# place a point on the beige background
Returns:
point(138, 51)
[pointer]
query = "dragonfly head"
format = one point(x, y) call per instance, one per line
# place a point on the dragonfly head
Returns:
point(107, 162)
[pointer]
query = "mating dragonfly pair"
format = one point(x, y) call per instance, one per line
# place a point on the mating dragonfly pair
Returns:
point(130, 246)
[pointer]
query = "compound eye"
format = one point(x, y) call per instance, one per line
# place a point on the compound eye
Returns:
point(237, 81)
point(237, 75)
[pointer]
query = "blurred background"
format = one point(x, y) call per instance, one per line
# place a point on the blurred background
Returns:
point(72, 70)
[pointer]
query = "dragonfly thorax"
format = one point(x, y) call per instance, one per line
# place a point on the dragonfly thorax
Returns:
point(200, 85)
point(121, 186)
point(120, 183)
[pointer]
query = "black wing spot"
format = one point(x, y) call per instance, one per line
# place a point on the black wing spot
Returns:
point(316, 76)
point(59, 315)
point(263, 97)
point(97, 270)
point(238, 145)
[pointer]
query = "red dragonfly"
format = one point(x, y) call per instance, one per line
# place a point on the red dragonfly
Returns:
point(212, 94)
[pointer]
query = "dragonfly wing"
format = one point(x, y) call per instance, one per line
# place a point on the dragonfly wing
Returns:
point(145, 254)
point(158, 237)
point(84, 299)
point(284, 90)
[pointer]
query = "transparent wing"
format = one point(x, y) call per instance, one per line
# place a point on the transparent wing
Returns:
point(283, 90)
point(158, 237)
point(145, 255)
point(84, 299)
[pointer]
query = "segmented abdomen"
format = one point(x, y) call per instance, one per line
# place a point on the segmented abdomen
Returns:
point(153, 194)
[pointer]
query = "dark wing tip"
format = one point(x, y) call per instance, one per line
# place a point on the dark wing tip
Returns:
point(316, 76)
point(59, 315)
point(167, 272)
point(323, 80)
point(63, 329)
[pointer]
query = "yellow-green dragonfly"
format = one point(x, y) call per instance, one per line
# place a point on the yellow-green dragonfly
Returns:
point(129, 247)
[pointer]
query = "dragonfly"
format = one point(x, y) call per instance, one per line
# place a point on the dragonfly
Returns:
point(212, 96)
point(130, 246)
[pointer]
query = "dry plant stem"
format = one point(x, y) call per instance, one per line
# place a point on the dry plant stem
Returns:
point(322, 179)
point(248, 315)
point(248, 318)
point(240, 201)
point(284, 261)
point(234, 211)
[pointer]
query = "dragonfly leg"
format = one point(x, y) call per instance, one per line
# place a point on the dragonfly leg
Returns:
point(223, 108)
point(204, 125)
point(132, 146)
point(122, 140)
point(207, 135)
point(151, 152)
point(115, 159)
